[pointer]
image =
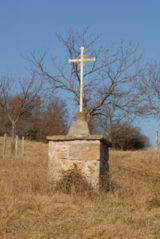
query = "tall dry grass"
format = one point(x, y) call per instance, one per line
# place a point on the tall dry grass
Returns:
point(24, 175)
point(31, 209)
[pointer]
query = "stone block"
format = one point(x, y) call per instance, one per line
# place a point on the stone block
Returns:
point(90, 155)
point(85, 150)
point(88, 152)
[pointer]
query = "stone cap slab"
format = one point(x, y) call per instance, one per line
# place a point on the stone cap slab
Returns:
point(101, 138)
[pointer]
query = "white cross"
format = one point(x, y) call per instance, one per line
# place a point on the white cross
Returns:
point(81, 60)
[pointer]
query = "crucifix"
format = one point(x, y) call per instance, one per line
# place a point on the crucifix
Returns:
point(81, 60)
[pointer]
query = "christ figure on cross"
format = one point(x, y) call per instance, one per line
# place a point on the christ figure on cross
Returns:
point(81, 60)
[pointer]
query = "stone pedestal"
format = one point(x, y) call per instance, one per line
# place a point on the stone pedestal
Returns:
point(88, 152)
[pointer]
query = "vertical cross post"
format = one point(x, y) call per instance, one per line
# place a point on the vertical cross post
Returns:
point(81, 60)
point(81, 84)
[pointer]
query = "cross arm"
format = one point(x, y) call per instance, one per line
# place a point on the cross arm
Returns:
point(81, 60)
point(89, 59)
point(74, 60)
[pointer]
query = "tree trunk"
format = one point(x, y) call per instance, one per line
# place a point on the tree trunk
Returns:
point(110, 134)
point(13, 137)
point(4, 144)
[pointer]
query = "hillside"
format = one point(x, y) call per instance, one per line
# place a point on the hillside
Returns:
point(30, 209)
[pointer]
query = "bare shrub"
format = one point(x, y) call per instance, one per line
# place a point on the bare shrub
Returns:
point(73, 182)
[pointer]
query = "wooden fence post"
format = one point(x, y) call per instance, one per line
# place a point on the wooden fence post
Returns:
point(22, 146)
point(16, 146)
point(4, 144)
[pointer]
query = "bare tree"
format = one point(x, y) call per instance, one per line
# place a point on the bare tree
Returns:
point(111, 77)
point(149, 89)
point(16, 101)
point(127, 137)
point(112, 115)
point(53, 118)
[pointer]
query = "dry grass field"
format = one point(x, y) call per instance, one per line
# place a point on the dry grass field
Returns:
point(31, 209)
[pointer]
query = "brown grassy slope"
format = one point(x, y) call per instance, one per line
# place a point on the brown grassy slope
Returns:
point(29, 208)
